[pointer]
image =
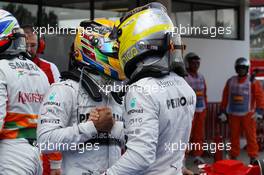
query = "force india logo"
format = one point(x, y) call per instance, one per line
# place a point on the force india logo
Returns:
point(24, 97)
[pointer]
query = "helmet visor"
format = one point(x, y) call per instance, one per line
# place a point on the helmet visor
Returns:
point(109, 48)
point(177, 52)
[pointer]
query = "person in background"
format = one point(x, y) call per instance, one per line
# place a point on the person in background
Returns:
point(242, 103)
point(35, 46)
point(22, 88)
point(197, 81)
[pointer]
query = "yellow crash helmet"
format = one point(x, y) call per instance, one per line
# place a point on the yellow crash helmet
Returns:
point(142, 33)
point(94, 48)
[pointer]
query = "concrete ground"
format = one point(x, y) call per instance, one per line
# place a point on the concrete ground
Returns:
point(209, 159)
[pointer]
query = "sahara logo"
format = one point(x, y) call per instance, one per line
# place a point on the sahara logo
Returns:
point(23, 65)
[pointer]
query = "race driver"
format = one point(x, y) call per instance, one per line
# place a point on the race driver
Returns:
point(22, 89)
point(88, 147)
point(35, 46)
point(159, 104)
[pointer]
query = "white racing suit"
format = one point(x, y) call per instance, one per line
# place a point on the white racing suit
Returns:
point(64, 126)
point(158, 119)
point(22, 89)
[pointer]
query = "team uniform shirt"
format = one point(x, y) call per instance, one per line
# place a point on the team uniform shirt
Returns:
point(158, 117)
point(64, 119)
point(199, 86)
point(22, 89)
point(241, 96)
point(49, 68)
point(53, 75)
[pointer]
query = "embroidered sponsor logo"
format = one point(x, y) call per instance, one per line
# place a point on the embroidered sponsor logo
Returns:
point(169, 83)
point(135, 111)
point(21, 72)
point(24, 97)
point(135, 121)
point(133, 103)
point(132, 132)
point(51, 103)
point(52, 96)
point(179, 102)
point(101, 135)
point(23, 65)
point(84, 117)
point(136, 107)
point(56, 121)
point(53, 111)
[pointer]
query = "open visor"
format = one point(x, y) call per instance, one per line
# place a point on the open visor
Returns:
point(17, 42)
point(176, 48)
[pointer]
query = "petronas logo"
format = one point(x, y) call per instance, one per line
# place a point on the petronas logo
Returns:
point(133, 103)
point(52, 96)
